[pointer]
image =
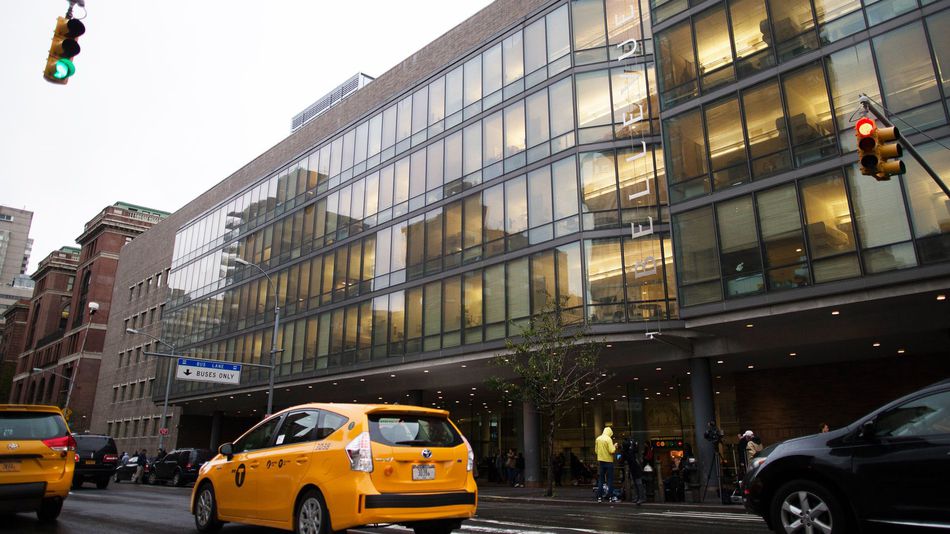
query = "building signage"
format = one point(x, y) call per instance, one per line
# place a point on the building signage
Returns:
point(208, 371)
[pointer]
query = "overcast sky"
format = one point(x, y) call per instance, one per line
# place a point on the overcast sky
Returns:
point(169, 98)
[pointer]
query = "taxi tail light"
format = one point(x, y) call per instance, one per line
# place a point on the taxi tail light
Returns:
point(471, 455)
point(76, 457)
point(360, 453)
point(61, 444)
point(110, 458)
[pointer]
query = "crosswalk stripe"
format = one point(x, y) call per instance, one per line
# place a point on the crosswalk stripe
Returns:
point(707, 515)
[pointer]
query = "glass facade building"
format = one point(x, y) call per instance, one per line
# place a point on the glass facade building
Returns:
point(680, 174)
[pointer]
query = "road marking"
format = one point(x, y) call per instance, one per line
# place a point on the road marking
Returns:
point(725, 516)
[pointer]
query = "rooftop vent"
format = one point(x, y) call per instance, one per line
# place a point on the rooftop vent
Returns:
point(330, 99)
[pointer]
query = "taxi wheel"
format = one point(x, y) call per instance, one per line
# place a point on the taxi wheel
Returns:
point(312, 516)
point(206, 510)
point(49, 510)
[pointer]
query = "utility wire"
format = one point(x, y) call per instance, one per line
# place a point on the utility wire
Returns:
point(912, 127)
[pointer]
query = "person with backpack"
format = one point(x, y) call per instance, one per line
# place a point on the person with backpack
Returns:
point(633, 471)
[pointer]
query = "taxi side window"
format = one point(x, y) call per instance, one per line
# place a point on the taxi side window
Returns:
point(329, 423)
point(259, 438)
point(298, 427)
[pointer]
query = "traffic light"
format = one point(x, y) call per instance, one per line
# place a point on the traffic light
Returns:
point(59, 64)
point(877, 156)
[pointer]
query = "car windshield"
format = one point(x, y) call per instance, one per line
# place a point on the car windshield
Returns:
point(411, 430)
point(93, 443)
point(31, 425)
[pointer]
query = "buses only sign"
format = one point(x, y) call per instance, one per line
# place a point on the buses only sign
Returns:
point(208, 371)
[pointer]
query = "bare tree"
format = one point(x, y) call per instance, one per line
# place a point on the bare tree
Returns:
point(554, 364)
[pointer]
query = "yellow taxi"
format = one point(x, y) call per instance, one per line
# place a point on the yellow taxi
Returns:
point(321, 468)
point(37, 459)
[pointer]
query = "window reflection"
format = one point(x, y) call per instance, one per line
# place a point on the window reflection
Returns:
point(829, 228)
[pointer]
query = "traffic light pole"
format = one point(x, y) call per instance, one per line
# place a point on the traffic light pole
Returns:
point(870, 107)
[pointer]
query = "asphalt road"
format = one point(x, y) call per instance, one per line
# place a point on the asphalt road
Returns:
point(127, 508)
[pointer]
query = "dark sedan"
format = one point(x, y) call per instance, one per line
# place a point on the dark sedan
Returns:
point(889, 469)
point(127, 470)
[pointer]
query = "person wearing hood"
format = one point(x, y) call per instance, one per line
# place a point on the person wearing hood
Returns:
point(605, 448)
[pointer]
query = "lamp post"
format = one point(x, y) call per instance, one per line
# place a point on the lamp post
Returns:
point(64, 377)
point(93, 308)
point(168, 381)
point(273, 340)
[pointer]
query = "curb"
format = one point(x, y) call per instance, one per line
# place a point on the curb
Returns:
point(561, 500)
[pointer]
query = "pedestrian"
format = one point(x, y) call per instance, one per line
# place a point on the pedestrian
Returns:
point(824, 428)
point(633, 471)
point(124, 458)
point(743, 445)
point(500, 465)
point(511, 467)
point(605, 448)
point(753, 446)
point(558, 468)
point(519, 471)
point(140, 469)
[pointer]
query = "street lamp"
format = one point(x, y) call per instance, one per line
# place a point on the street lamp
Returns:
point(273, 340)
point(168, 380)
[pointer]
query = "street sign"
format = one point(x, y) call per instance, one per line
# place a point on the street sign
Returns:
point(208, 371)
point(163, 431)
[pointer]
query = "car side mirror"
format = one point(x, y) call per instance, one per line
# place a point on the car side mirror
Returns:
point(867, 429)
point(227, 450)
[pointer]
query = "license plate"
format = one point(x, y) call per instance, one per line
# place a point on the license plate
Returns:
point(9, 466)
point(423, 472)
point(88, 462)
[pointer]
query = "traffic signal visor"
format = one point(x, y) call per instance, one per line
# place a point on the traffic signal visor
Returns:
point(888, 154)
point(59, 64)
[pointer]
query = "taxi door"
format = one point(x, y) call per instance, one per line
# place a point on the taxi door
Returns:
point(282, 466)
point(237, 481)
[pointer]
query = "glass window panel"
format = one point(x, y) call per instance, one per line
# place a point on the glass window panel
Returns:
point(380, 320)
point(397, 320)
point(543, 280)
point(434, 234)
point(750, 36)
point(336, 156)
point(623, 21)
point(908, 79)
point(539, 191)
point(794, 26)
point(417, 173)
point(386, 187)
point(420, 103)
point(593, 99)
point(827, 216)
point(537, 126)
point(697, 257)
point(518, 289)
point(472, 155)
point(375, 134)
point(570, 285)
point(636, 179)
point(434, 165)
point(452, 300)
point(453, 228)
point(403, 118)
point(398, 252)
point(472, 299)
point(740, 260)
point(348, 150)
point(713, 48)
point(558, 34)
point(414, 313)
point(337, 332)
point(781, 224)
point(765, 127)
point(514, 128)
point(416, 246)
point(598, 181)
point(535, 53)
point(643, 272)
point(491, 71)
point(604, 272)
point(383, 244)
point(631, 108)
point(453, 91)
point(939, 26)
point(366, 325)
point(493, 203)
point(588, 17)
point(472, 225)
point(516, 206)
point(493, 143)
point(352, 324)
point(565, 188)
point(851, 73)
point(369, 257)
point(562, 107)
point(726, 144)
point(513, 57)
point(828, 10)
point(677, 64)
point(879, 210)
point(685, 146)
point(809, 114)
point(359, 143)
point(437, 100)
point(495, 294)
point(930, 210)
point(389, 126)
point(453, 157)
point(473, 80)
point(372, 194)
point(433, 308)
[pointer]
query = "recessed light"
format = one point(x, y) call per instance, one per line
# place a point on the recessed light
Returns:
point(719, 361)
point(941, 297)
point(362, 380)
point(875, 344)
point(473, 389)
point(750, 325)
point(334, 383)
point(636, 378)
point(793, 354)
point(425, 371)
point(231, 397)
point(900, 351)
point(659, 368)
point(836, 312)
point(609, 345)
point(463, 365)
point(717, 393)
point(750, 366)
point(392, 376)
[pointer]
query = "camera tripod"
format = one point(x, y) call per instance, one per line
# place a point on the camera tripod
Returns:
point(717, 465)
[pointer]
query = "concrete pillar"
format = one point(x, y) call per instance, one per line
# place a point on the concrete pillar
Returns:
point(532, 445)
point(215, 430)
point(598, 419)
point(704, 411)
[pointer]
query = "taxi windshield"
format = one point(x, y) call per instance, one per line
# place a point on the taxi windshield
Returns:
point(412, 430)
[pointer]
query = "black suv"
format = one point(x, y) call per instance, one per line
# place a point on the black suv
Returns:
point(96, 459)
point(888, 470)
point(179, 466)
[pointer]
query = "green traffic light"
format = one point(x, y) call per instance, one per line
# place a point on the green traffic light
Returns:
point(63, 68)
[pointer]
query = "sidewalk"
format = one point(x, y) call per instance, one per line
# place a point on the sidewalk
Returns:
point(490, 491)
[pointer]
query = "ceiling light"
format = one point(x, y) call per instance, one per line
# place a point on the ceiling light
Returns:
point(309, 387)
point(941, 297)
point(463, 365)
point(362, 380)
point(392, 376)
point(900, 351)
point(750, 366)
point(836, 312)
point(793, 354)
point(875, 344)
point(750, 325)
point(719, 361)
point(334, 383)
point(659, 368)
point(609, 345)
point(425, 371)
